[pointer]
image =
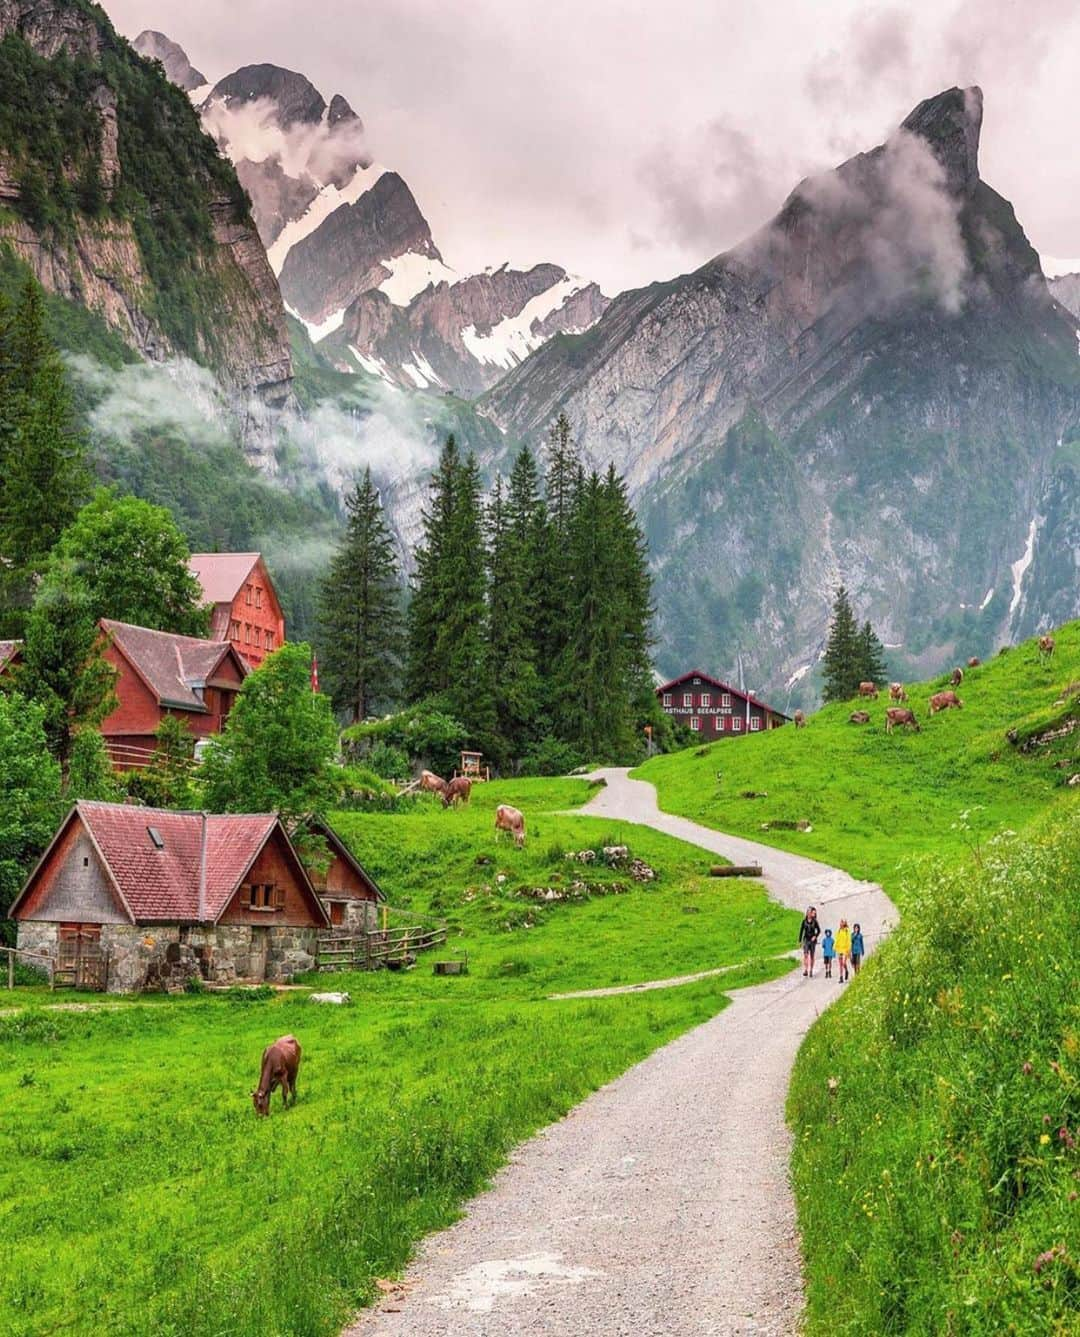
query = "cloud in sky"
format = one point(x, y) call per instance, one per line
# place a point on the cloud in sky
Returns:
point(630, 141)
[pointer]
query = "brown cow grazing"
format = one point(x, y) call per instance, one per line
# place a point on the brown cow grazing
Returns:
point(1046, 647)
point(800, 720)
point(896, 692)
point(974, 661)
point(859, 717)
point(868, 689)
point(432, 783)
point(945, 701)
point(956, 677)
point(457, 791)
point(280, 1064)
point(511, 820)
point(901, 715)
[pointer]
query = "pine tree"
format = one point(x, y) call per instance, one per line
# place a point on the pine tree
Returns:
point(843, 657)
point(555, 613)
point(360, 619)
point(634, 590)
point(872, 666)
point(511, 652)
point(428, 604)
point(43, 476)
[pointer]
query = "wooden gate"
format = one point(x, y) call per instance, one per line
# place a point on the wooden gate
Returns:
point(80, 960)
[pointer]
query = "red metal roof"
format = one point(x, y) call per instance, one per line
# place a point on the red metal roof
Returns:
point(172, 866)
point(172, 666)
point(222, 574)
point(723, 686)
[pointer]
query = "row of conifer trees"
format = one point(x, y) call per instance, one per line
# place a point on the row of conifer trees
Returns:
point(529, 613)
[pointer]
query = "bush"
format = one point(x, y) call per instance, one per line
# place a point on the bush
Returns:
point(389, 762)
point(551, 757)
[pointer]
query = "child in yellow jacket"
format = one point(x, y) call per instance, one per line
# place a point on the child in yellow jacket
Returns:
point(843, 949)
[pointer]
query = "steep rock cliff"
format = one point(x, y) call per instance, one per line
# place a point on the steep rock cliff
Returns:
point(871, 388)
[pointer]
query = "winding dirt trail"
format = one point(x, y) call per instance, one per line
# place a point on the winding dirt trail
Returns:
point(661, 1204)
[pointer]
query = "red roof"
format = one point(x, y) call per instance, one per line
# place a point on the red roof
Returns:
point(222, 574)
point(175, 668)
point(8, 650)
point(723, 686)
point(171, 866)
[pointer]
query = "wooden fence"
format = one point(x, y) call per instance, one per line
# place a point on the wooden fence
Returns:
point(391, 947)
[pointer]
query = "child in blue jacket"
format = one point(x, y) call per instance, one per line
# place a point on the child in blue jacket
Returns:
point(828, 952)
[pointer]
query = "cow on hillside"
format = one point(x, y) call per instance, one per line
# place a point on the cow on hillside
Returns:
point(859, 717)
point(868, 689)
point(432, 783)
point(896, 692)
point(512, 821)
point(800, 720)
point(945, 701)
point(900, 715)
point(457, 791)
point(280, 1064)
point(974, 661)
point(1046, 647)
point(956, 677)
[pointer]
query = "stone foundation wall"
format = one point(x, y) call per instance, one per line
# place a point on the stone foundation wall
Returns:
point(361, 916)
point(39, 935)
point(161, 956)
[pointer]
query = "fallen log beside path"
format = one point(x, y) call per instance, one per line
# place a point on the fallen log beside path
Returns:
point(735, 870)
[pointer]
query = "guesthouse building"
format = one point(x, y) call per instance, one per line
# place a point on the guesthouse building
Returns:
point(128, 898)
point(715, 709)
point(159, 673)
point(246, 610)
point(348, 891)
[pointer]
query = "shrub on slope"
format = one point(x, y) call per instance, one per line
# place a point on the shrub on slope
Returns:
point(937, 1111)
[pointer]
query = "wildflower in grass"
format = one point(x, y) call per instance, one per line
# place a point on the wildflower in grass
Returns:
point(1044, 1138)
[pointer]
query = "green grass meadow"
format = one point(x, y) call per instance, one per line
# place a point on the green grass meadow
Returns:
point(936, 1106)
point(140, 1194)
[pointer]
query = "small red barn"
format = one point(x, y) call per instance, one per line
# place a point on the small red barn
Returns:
point(10, 655)
point(715, 709)
point(349, 892)
point(247, 612)
point(159, 674)
point(142, 897)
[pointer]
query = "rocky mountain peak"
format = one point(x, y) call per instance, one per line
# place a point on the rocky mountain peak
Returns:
point(950, 123)
point(295, 98)
point(340, 111)
point(156, 46)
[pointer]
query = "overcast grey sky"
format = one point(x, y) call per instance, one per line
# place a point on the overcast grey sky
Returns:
point(632, 141)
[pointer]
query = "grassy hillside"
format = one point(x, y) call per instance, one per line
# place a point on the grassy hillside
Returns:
point(936, 1107)
point(873, 799)
point(141, 1194)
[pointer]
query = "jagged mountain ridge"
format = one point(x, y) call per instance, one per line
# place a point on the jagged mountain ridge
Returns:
point(873, 387)
point(355, 256)
point(183, 272)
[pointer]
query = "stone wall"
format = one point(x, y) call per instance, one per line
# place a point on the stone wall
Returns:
point(361, 916)
point(161, 956)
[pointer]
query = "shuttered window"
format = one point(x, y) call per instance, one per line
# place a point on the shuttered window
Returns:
point(695, 724)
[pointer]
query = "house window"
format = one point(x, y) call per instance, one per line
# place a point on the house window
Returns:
point(258, 596)
point(736, 724)
point(706, 699)
point(269, 640)
point(725, 700)
point(718, 722)
point(688, 698)
point(247, 594)
point(247, 633)
point(695, 724)
point(234, 629)
point(667, 698)
point(755, 723)
point(262, 896)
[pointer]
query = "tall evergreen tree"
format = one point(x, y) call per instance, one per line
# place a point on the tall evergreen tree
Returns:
point(634, 593)
point(511, 652)
point(428, 604)
point(360, 617)
point(42, 472)
point(843, 653)
point(872, 667)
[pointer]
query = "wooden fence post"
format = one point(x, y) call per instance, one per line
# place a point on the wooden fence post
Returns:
point(11, 968)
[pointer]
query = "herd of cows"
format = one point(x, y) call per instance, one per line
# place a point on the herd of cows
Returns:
point(899, 715)
point(458, 790)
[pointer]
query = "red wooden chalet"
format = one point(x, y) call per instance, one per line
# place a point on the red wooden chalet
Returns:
point(148, 890)
point(715, 709)
point(160, 673)
point(349, 892)
point(247, 611)
point(10, 655)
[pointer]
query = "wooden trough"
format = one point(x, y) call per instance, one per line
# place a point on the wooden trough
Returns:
point(458, 967)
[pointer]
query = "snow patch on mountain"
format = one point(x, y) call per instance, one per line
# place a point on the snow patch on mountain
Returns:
point(1020, 566)
point(411, 273)
point(321, 207)
point(512, 340)
point(374, 366)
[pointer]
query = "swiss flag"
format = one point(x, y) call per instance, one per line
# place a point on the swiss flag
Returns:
point(314, 673)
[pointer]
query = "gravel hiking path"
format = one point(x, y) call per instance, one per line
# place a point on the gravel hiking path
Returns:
point(661, 1204)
